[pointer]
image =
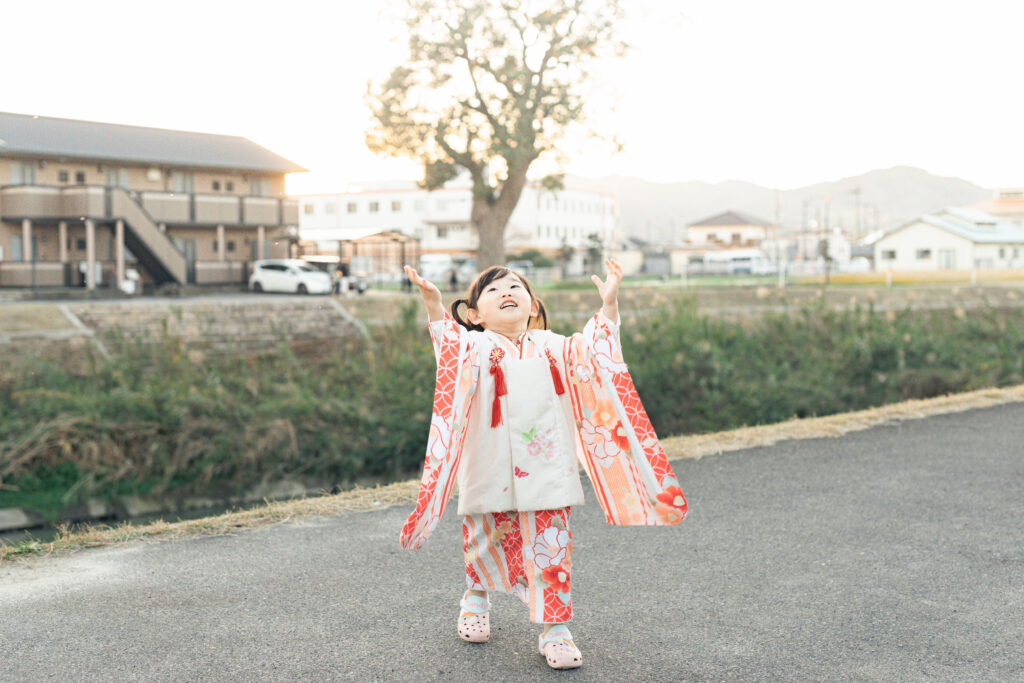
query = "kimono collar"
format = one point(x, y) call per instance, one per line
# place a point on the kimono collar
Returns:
point(510, 345)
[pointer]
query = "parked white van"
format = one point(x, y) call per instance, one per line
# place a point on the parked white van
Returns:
point(288, 275)
point(737, 262)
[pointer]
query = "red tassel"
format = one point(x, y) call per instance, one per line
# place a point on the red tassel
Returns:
point(556, 377)
point(499, 386)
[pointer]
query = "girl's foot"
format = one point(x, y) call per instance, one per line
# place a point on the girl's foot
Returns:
point(558, 649)
point(474, 618)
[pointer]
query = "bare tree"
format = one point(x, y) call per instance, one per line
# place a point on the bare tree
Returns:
point(490, 86)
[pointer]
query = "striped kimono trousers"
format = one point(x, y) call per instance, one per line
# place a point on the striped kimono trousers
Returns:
point(527, 554)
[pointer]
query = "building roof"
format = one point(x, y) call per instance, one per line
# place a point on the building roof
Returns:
point(729, 218)
point(971, 224)
point(43, 136)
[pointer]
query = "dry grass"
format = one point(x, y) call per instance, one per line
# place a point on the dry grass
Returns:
point(918, 277)
point(699, 445)
point(404, 493)
point(32, 318)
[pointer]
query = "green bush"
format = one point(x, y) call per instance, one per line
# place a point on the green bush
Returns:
point(160, 420)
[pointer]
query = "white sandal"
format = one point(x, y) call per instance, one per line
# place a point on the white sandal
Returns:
point(475, 619)
point(558, 649)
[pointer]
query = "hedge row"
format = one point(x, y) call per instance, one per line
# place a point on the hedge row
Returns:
point(160, 420)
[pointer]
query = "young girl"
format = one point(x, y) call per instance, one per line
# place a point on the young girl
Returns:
point(515, 407)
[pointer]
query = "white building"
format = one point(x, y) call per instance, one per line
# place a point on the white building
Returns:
point(950, 239)
point(542, 220)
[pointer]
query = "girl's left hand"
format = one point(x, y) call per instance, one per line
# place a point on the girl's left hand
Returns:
point(609, 289)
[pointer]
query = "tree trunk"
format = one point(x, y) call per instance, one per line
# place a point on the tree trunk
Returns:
point(490, 227)
point(490, 218)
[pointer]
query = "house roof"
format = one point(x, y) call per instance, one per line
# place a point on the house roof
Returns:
point(43, 136)
point(729, 218)
point(971, 224)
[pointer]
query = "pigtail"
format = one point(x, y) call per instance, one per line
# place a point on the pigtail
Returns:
point(458, 318)
point(541, 321)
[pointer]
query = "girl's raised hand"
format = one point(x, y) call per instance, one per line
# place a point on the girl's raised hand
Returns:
point(609, 289)
point(430, 293)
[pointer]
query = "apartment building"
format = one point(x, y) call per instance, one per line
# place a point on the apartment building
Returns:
point(80, 201)
point(542, 220)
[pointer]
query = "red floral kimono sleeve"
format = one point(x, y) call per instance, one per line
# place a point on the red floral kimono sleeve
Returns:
point(632, 478)
point(457, 372)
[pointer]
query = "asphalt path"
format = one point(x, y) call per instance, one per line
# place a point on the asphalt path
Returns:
point(890, 554)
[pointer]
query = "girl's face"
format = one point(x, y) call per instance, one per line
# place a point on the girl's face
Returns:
point(504, 306)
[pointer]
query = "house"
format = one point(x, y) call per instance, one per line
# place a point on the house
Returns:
point(726, 229)
point(79, 200)
point(950, 239)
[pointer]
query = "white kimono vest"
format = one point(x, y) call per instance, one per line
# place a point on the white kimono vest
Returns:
point(529, 461)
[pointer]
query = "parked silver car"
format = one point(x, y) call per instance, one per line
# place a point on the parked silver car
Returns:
point(288, 275)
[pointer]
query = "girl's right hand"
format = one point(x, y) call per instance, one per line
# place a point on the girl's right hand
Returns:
point(430, 293)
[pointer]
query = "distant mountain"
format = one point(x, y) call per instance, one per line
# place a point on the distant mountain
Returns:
point(889, 197)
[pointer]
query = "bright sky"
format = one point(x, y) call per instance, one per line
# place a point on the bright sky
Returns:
point(782, 93)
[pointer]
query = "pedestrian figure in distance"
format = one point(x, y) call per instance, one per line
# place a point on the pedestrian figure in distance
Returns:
point(515, 406)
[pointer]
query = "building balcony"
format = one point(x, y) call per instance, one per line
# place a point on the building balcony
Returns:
point(46, 203)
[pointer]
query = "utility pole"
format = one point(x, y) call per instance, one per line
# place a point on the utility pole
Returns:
point(775, 238)
point(802, 232)
point(856, 209)
point(828, 232)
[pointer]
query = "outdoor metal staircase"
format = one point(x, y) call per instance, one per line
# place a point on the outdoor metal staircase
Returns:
point(154, 249)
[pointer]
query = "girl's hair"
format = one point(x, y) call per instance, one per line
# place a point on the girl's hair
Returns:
point(476, 289)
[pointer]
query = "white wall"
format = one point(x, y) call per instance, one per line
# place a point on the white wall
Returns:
point(440, 219)
point(921, 236)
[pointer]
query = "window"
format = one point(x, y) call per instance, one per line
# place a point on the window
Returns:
point(1002, 252)
point(442, 231)
point(889, 254)
point(1016, 252)
point(736, 238)
point(23, 173)
point(329, 207)
point(307, 209)
point(181, 182)
point(62, 176)
point(216, 186)
point(419, 205)
point(352, 208)
point(923, 253)
point(712, 237)
point(396, 206)
point(229, 186)
point(17, 253)
point(374, 207)
point(231, 246)
point(117, 177)
point(216, 246)
point(259, 187)
point(80, 245)
point(80, 177)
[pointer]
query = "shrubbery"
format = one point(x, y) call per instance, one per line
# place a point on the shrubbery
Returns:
point(160, 420)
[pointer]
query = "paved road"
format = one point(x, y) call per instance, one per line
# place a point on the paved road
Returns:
point(895, 553)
